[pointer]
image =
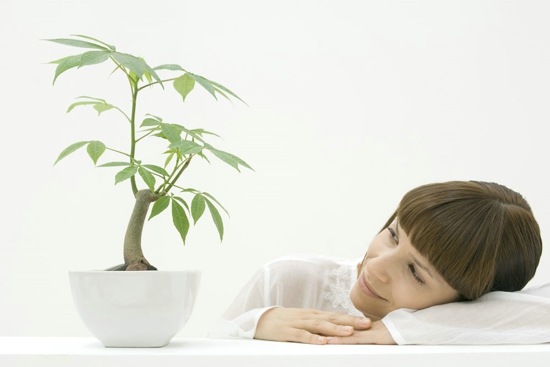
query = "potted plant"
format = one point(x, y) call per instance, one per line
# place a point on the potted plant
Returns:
point(132, 304)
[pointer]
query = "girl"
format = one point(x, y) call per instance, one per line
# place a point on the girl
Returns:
point(447, 244)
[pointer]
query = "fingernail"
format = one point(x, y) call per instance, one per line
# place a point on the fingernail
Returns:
point(347, 328)
point(365, 322)
point(321, 339)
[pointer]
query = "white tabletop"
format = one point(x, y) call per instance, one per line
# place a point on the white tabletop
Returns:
point(184, 352)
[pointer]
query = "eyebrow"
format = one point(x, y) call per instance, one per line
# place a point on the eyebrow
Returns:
point(414, 259)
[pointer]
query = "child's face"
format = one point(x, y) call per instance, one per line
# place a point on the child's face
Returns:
point(394, 275)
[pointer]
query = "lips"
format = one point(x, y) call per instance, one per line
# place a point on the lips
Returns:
point(367, 289)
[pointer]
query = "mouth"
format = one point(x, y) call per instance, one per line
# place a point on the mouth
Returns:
point(367, 289)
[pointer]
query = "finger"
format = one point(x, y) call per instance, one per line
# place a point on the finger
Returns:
point(358, 323)
point(379, 334)
point(351, 339)
point(319, 326)
point(304, 336)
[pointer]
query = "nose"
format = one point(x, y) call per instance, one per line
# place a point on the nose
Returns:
point(380, 267)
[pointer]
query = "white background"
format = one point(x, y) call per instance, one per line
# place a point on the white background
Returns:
point(351, 104)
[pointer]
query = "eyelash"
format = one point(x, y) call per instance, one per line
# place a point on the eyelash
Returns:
point(411, 266)
point(393, 234)
point(415, 274)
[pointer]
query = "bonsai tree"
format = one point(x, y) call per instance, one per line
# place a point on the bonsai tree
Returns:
point(182, 144)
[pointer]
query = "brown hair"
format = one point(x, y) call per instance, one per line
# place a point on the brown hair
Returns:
point(479, 236)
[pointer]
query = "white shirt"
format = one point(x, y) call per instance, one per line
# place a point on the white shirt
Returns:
point(324, 283)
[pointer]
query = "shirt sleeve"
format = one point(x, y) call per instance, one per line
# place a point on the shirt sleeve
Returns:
point(241, 318)
point(495, 318)
point(293, 281)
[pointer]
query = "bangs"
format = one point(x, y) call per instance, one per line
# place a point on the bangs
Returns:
point(457, 229)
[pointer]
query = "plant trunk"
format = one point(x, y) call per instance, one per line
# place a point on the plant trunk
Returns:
point(133, 255)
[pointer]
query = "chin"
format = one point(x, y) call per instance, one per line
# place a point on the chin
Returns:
point(359, 304)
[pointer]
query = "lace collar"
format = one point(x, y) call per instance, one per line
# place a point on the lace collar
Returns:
point(339, 292)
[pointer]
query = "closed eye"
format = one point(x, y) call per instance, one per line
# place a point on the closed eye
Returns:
point(394, 235)
point(415, 274)
point(412, 268)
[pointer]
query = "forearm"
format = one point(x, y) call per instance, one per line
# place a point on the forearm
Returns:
point(242, 326)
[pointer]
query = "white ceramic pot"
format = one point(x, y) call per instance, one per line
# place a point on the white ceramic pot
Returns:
point(134, 308)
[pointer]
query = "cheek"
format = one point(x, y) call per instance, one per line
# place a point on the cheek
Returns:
point(412, 297)
point(375, 246)
point(407, 295)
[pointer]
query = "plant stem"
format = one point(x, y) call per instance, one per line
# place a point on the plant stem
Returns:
point(133, 254)
point(170, 177)
point(133, 131)
point(175, 179)
point(146, 135)
point(117, 151)
point(167, 180)
point(125, 115)
point(153, 83)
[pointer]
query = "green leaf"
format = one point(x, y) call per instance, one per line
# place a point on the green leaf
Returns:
point(147, 177)
point(115, 69)
point(197, 207)
point(202, 131)
point(217, 202)
point(187, 147)
point(70, 149)
point(151, 129)
point(189, 189)
point(153, 74)
point(153, 116)
point(125, 174)
point(228, 158)
point(59, 61)
point(173, 67)
point(65, 64)
point(77, 43)
point(113, 48)
point(226, 90)
point(205, 84)
point(181, 201)
point(115, 164)
point(148, 76)
point(171, 133)
point(216, 217)
point(95, 150)
point(157, 169)
point(184, 84)
point(201, 154)
point(99, 104)
point(150, 122)
point(94, 57)
point(159, 206)
point(168, 159)
point(93, 98)
point(218, 90)
point(131, 62)
point(76, 104)
point(102, 107)
point(136, 64)
point(180, 220)
point(189, 132)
